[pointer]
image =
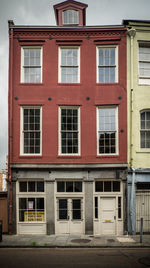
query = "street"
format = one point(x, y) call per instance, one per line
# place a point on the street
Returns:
point(46, 257)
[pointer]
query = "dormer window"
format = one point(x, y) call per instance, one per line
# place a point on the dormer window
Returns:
point(70, 17)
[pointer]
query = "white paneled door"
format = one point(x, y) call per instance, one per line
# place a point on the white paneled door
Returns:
point(108, 215)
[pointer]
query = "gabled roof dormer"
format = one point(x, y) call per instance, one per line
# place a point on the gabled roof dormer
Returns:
point(70, 13)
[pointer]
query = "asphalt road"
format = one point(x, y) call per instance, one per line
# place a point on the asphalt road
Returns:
point(82, 258)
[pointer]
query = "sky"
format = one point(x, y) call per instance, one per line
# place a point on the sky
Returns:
point(37, 12)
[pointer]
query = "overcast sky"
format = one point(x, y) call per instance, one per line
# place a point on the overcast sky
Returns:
point(37, 12)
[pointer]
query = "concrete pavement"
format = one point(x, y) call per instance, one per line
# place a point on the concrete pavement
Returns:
point(74, 241)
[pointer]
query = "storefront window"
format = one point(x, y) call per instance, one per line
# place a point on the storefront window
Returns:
point(31, 209)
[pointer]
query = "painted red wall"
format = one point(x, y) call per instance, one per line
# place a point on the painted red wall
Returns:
point(68, 94)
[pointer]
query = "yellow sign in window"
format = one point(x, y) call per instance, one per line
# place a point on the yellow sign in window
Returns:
point(34, 216)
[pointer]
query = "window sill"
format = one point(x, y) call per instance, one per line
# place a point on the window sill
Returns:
point(107, 156)
point(69, 156)
point(107, 84)
point(30, 156)
point(31, 84)
point(69, 84)
point(147, 151)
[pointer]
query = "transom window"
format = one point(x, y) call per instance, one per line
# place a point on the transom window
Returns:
point(31, 130)
point(107, 130)
point(69, 130)
point(69, 62)
point(69, 186)
point(107, 186)
point(31, 65)
point(70, 16)
point(144, 63)
point(31, 186)
point(107, 69)
point(145, 129)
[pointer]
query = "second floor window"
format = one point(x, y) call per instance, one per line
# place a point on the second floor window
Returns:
point(70, 17)
point(145, 129)
point(69, 65)
point(31, 130)
point(107, 130)
point(144, 63)
point(31, 65)
point(69, 130)
point(107, 68)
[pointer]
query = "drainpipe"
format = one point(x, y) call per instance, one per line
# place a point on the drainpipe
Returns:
point(131, 33)
point(10, 124)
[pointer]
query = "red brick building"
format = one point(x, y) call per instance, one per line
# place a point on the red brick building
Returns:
point(67, 126)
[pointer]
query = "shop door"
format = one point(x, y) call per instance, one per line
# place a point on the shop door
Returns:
point(108, 215)
point(69, 216)
point(143, 211)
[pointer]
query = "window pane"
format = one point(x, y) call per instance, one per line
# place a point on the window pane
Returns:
point(96, 207)
point(99, 186)
point(40, 203)
point(22, 203)
point(40, 186)
point(78, 186)
point(119, 207)
point(23, 186)
point(63, 209)
point(76, 209)
point(116, 186)
point(69, 186)
point(106, 65)
point(60, 186)
point(107, 186)
point(31, 186)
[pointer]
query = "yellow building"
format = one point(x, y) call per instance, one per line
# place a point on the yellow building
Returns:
point(138, 86)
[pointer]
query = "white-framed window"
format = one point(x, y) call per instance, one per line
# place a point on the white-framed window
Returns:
point(31, 201)
point(144, 63)
point(31, 134)
point(107, 64)
point(145, 129)
point(69, 130)
point(69, 64)
point(69, 186)
point(107, 130)
point(70, 16)
point(31, 64)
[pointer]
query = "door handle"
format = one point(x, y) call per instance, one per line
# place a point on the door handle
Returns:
point(68, 217)
point(114, 217)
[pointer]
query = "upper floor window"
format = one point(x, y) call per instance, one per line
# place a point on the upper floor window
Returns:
point(69, 130)
point(70, 17)
point(107, 64)
point(144, 63)
point(31, 65)
point(107, 130)
point(145, 129)
point(30, 130)
point(69, 65)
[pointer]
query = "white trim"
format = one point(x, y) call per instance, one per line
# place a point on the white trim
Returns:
point(117, 135)
point(22, 63)
point(59, 63)
point(59, 129)
point(21, 130)
point(116, 62)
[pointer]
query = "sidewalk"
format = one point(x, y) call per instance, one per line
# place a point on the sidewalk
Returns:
point(74, 241)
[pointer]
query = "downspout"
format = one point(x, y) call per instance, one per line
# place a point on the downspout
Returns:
point(10, 121)
point(131, 33)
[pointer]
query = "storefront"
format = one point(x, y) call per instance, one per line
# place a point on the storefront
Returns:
point(108, 207)
point(31, 207)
